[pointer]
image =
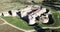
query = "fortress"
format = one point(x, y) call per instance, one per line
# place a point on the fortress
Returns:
point(31, 13)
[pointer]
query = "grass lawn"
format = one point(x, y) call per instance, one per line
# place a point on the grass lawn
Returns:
point(18, 22)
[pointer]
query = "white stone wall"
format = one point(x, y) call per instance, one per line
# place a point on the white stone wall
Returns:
point(0, 14)
point(25, 11)
point(31, 20)
point(14, 12)
point(43, 10)
point(33, 15)
point(6, 14)
point(47, 19)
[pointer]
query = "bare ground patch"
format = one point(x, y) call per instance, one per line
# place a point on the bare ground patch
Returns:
point(7, 28)
point(1, 21)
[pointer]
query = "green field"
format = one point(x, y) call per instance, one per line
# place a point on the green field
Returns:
point(18, 22)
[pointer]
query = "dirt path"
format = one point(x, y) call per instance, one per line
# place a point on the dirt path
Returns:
point(2, 23)
point(51, 27)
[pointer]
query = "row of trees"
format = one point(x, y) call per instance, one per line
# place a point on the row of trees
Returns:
point(52, 3)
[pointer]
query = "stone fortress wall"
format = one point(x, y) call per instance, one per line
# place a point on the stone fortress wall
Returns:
point(32, 12)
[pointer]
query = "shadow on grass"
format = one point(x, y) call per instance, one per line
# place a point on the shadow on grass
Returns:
point(39, 29)
point(24, 18)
